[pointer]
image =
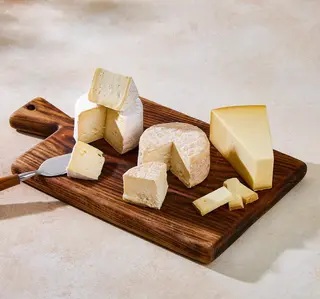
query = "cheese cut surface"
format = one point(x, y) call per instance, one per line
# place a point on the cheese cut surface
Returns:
point(112, 90)
point(183, 147)
point(235, 187)
point(89, 121)
point(236, 203)
point(146, 184)
point(242, 135)
point(213, 200)
point(86, 162)
point(124, 128)
point(121, 129)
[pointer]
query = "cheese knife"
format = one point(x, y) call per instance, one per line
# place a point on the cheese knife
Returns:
point(51, 167)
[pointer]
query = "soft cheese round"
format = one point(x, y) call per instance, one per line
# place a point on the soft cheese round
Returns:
point(183, 147)
point(121, 129)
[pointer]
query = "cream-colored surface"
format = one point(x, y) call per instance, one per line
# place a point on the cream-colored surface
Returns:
point(121, 129)
point(86, 162)
point(213, 200)
point(212, 53)
point(183, 147)
point(112, 90)
point(89, 120)
point(146, 184)
point(242, 135)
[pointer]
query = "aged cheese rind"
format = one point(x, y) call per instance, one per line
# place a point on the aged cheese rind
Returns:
point(86, 162)
point(112, 90)
point(183, 147)
point(146, 184)
point(242, 135)
point(213, 200)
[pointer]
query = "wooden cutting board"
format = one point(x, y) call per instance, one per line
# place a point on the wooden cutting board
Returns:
point(177, 226)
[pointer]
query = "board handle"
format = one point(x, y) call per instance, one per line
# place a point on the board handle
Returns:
point(9, 181)
point(39, 117)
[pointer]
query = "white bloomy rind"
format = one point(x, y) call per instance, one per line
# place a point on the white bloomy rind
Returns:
point(124, 128)
point(121, 129)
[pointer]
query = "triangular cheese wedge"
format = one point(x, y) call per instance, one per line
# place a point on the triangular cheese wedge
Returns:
point(242, 135)
point(112, 90)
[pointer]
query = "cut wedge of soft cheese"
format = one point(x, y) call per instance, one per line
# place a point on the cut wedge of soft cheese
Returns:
point(213, 200)
point(112, 90)
point(183, 147)
point(89, 121)
point(146, 184)
point(121, 129)
point(86, 162)
point(242, 135)
point(124, 128)
point(236, 188)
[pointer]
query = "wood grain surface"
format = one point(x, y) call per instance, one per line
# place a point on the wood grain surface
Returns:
point(177, 226)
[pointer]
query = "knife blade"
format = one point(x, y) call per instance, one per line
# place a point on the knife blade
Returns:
point(51, 167)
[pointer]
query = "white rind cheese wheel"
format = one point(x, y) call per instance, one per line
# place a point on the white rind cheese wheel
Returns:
point(121, 129)
point(183, 147)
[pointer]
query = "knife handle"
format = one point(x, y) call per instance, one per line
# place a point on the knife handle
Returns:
point(40, 118)
point(9, 181)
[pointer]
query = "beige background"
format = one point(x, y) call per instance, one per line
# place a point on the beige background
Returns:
point(191, 56)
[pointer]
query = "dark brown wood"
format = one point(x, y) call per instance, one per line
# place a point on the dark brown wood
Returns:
point(9, 181)
point(40, 118)
point(177, 226)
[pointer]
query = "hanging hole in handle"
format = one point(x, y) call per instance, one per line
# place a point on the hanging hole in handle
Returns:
point(31, 107)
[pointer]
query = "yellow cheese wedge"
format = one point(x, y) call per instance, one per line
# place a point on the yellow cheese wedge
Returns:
point(242, 135)
point(236, 188)
point(213, 200)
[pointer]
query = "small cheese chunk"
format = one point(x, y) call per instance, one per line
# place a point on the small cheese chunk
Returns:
point(86, 162)
point(146, 184)
point(112, 90)
point(124, 128)
point(89, 121)
point(242, 135)
point(213, 200)
point(236, 188)
point(236, 203)
point(183, 147)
